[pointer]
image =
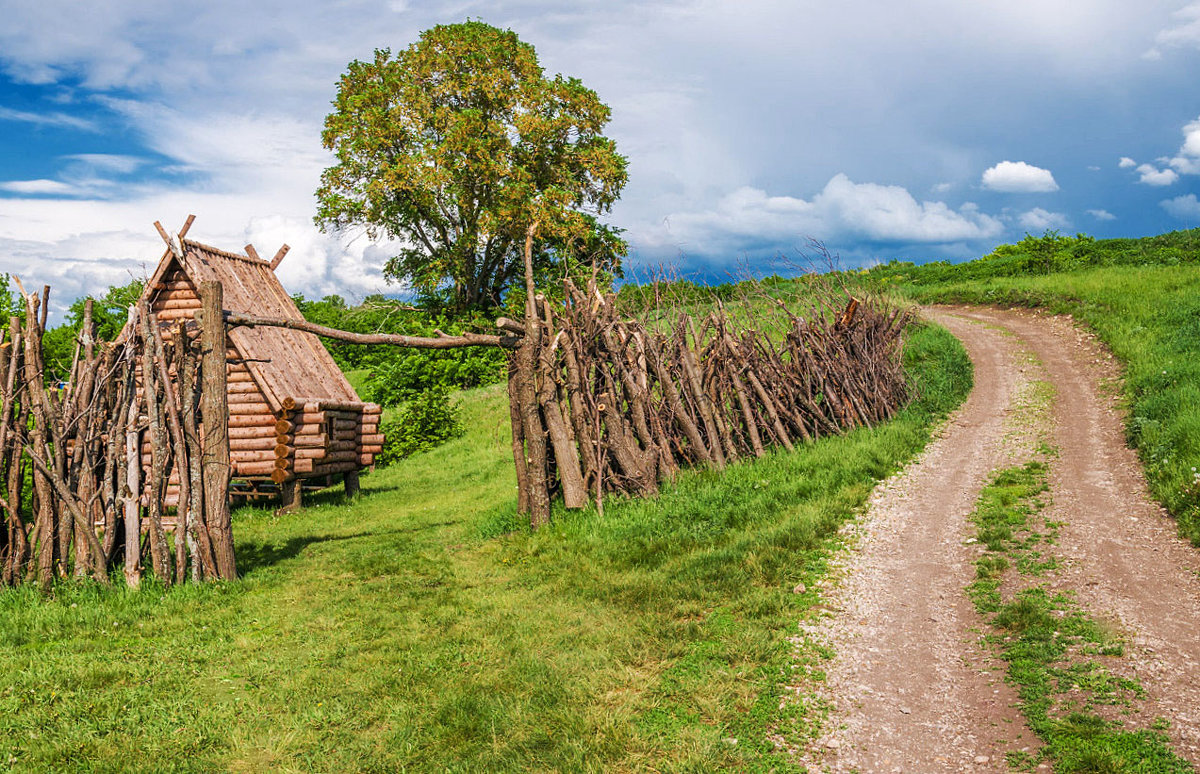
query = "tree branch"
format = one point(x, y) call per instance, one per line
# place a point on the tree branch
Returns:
point(441, 341)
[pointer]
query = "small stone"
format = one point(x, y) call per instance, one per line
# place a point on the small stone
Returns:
point(832, 744)
point(729, 740)
point(800, 588)
point(982, 759)
point(905, 711)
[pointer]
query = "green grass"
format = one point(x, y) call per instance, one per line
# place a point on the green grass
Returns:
point(422, 627)
point(1142, 298)
point(1054, 649)
point(358, 379)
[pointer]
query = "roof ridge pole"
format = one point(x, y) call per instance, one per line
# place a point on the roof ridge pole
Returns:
point(279, 257)
point(174, 243)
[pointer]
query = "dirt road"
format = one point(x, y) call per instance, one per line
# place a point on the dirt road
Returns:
point(912, 689)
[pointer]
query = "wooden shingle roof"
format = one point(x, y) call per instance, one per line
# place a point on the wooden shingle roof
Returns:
point(285, 363)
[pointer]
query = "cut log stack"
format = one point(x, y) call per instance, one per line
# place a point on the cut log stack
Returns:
point(91, 467)
point(330, 437)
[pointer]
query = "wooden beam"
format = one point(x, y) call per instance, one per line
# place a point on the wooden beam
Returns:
point(174, 244)
point(279, 257)
point(186, 226)
point(441, 341)
point(214, 414)
point(250, 251)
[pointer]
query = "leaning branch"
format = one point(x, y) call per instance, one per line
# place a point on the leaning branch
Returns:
point(441, 341)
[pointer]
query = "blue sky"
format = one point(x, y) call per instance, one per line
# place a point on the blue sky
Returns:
point(925, 129)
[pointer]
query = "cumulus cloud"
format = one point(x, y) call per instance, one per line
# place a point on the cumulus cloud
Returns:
point(1126, 163)
point(842, 210)
point(1183, 207)
point(1039, 219)
point(1152, 175)
point(1102, 215)
point(1019, 177)
point(1187, 160)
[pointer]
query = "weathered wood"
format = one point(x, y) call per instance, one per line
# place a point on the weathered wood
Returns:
point(351, 483)
point(442, 341)
point(215, 412)
point(160, 557)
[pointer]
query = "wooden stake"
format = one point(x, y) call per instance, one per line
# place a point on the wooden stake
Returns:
point(214, 413)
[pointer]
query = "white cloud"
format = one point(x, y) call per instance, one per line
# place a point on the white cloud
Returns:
point(1152, 175)
point(47, 119)
point(39, 187)
point(1039, 219)
point(1183, 207)
point(1184, 32)
point(107, 162)
point(1126, 163)
point(942, 188)
point(1019, 177)
point(1102, 215)
point(843, 210)
point(1187, 161)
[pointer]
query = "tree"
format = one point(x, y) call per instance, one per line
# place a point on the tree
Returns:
point(454, 147)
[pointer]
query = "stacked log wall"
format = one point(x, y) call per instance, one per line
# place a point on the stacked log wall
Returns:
point(296, 441)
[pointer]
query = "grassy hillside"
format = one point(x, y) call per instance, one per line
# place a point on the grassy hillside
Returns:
point(1141, 296)
point(421, 627)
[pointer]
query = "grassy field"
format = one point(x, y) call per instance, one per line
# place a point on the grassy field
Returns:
point(1141, 297)
point(422, 627)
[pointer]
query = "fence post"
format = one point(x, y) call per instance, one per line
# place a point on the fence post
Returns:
point(214, 415)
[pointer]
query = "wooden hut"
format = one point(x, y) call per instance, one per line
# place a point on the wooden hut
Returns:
point(293, 417)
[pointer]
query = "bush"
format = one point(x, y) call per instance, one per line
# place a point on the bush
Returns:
point(399, 374)
point(429, 420)
point(409, 373)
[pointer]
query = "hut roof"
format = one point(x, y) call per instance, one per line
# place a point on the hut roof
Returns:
point(285, 363)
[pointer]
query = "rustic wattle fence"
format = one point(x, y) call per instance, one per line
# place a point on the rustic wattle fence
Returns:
point(602, 404)
point(76, 498)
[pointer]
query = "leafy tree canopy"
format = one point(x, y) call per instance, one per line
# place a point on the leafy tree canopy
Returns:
point(455, 146)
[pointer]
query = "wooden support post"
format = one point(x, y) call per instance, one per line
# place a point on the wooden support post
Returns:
point(133, 468)
point(214, 415)
point(350, 481)
point(289, 496)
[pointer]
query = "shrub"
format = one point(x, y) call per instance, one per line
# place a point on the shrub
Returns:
point(427, 421)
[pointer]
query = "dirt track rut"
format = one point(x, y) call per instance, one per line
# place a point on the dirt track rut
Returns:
point(912, 689)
